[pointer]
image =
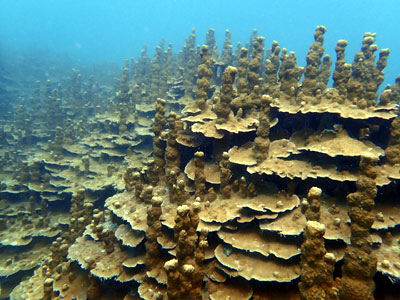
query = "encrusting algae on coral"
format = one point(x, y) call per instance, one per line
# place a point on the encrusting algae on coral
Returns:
point(208, 176)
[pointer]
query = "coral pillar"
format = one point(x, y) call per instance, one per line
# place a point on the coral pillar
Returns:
point(153, 230)
point(242, 72)
point(222, 108)
point(342, 72)
point(316, 281)
point(199, 177)
point(271, 86)
point(158, 144)
point(311, 71)
point(317, 266)
point(262, 142)
point(204, 82)
point(255, 62)
point(226, 174)
point(172, 155)
point(186, 272)
point(392, 152)
point(359, 261)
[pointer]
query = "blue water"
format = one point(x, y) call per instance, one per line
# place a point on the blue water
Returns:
point(97, 31)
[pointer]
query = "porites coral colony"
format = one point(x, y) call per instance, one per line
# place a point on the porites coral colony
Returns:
point(249, 185)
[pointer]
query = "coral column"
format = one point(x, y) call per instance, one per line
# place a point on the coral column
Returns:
point(222, 108)
point(158, 143)
point(317, 266)
point(186, 272)
point(360, 263)
point(204, 82)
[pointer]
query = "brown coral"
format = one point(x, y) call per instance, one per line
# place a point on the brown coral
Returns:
point(316, 281)
point(153, 231)
point(242, 86)
point(342, 72)
point(360, 263)
point(262, 142)
point(271, 85)
point(289, 73)
point(311, 206)
point(186, 272)
point(367, 76)
point(172, 155)
point(311, 71)
point(255, 62)
point(158, 127)
point(224, 165)
point(222, 108)
point(199, 177)
point(204, 82)
point(392, 152)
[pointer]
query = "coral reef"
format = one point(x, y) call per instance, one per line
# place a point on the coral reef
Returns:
point(183, 179)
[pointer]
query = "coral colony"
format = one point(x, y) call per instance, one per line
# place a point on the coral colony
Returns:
point(206, 175)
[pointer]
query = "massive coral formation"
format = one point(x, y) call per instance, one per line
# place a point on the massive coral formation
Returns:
point(392, 152)
point(271, 85)
point(311, 206)
point(153, 231)
point(317, 266)
point(172, 155)
point(204, 82)
point(360, 262)
point(366, 76)
point(226, 175)
point(233, 162)
point(158, 126)
point(262, 142)
point(242, 71)
point(186, 272)
point(255, 62)
point(342, 72)
point(312, 70)
point(122, 94)
point(223, 107)
point(189, 64)
point(226, 58)
point(199, 177)
point(289, 73)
